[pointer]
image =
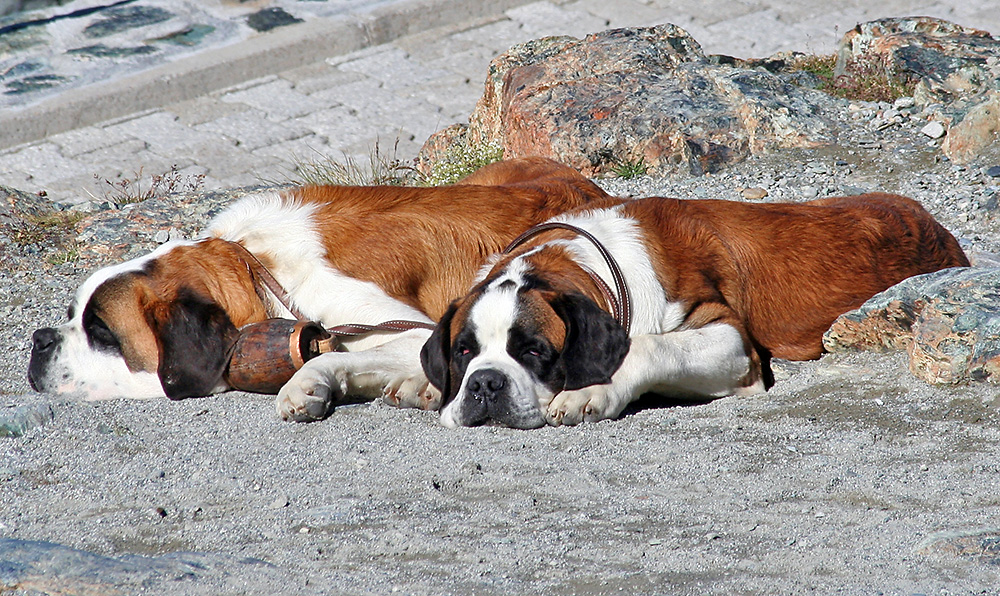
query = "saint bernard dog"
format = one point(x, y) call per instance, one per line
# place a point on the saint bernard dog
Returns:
point(715, 288)
point(162, 324)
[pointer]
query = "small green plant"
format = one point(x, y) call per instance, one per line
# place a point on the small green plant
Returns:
point(627, 169)
point(461, 160)
point(124, 190)
point(382, 170)
point(863, 79)
point(70, 255)
point(48, 229)
point(821, 66)
point(54, 233)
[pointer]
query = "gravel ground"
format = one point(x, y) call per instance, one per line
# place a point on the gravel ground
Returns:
point(850, 476)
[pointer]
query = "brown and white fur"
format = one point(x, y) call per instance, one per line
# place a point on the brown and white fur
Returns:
point(162, 324)
point(717, 289)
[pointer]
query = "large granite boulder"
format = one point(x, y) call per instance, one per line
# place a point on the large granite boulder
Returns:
point(642, 95)
point(650, 97)
point(955, 68)
point(948, 321)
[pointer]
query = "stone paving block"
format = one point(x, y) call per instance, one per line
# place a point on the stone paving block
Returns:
point(987, 19)
point(84, 140)
point(251, 129)
point(75, 190)
point(821, 34)
point(42, 163)
point(204, 109)
point(621, 13)
point(318, 77)
point(153, 162)
point(709, 12)
point(432, 46)
point(19, 180)
point(222, 161)
point(470, 64)
point(115, 160)
point(543, 19)
point(393, 67)
point(403, 150)
point(162, 131)
point(244, 179)
point(340, 126)
point(496, 37)
point(742, 36)
point(276, 98)
point(373, 103)
point(283, 156)
point(454, 96)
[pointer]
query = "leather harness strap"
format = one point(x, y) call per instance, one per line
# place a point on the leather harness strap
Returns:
point(261, 274)
point(350, 330)
point(621, 305)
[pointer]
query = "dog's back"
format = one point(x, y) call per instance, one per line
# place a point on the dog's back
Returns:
point(420, 245)
point(789, 270)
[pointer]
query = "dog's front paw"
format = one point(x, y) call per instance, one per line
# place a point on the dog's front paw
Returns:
point(589, 404)
point(412, 392)
point(308, 395)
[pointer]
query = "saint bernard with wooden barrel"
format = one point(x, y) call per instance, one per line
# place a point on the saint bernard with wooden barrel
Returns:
point(164, 324)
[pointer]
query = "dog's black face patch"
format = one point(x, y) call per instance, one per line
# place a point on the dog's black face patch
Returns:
point(527, 346)
point(99, 336)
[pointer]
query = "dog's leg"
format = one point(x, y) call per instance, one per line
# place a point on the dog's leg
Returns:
point(709, 361)
point(391, 370)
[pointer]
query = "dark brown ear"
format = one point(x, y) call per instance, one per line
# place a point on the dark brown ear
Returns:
point(595, 344)
point(435, 355)
point(195, 339)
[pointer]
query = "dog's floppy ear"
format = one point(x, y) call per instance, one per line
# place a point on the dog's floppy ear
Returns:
point(595, 344)
point(195, 339)
point(435, 355)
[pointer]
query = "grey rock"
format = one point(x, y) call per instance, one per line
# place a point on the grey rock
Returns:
point(270, 18)
point(933, 129)
point(630, 95)
point(948, 321)
point(904, 103)
point(945, 59)
point(116, 20)
point(118, 234)
point(48, 568)
point(18, 420)
point(977, 545)
point(951, 66)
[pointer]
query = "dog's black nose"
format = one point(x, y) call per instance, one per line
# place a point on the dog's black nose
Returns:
point(486, 383)
point(42, 340)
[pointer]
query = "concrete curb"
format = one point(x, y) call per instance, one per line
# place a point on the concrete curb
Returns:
point(218, 68)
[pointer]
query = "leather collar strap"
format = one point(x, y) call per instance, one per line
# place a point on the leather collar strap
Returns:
point(350, 330)
point(621, 306)
point(259, 272)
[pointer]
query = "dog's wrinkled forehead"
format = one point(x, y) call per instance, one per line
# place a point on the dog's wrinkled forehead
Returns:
point(494, 309)
point(509, 301)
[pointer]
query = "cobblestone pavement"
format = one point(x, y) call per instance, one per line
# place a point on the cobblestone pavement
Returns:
point(396, 93)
